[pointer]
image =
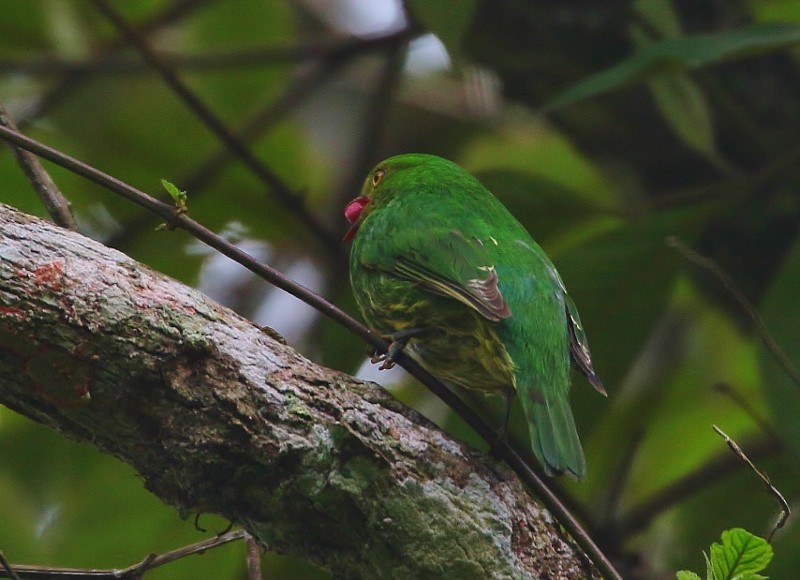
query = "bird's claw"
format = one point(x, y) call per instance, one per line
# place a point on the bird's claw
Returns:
point(397, 342)
point(385, 360)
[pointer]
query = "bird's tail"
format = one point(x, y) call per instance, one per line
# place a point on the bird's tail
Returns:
point(554, 438)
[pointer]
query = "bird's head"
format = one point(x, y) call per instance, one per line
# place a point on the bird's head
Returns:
point(378, 188)
point(359, 208)
point(391, 178)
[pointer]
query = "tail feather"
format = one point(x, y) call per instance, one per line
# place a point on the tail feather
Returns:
point(554, 438)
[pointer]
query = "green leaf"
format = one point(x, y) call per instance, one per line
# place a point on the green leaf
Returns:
point(178, 196)
point(677, 96)
point(740, 556)
point(447, 19)
point(687, 575)
point(684, 107)
point(682, 54)
point(660, 16)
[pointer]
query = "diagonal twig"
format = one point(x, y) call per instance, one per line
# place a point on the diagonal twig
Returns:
point(293, 202)
point(8, 568)
point(638, 517)
point(740, 401)
point(374, 123)
point(761, 328)
point(197, 181)
point(501, 448)
point(57, 205)
point(771, 489)
point(72, 80)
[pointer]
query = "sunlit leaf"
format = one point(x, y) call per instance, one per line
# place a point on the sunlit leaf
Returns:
point(740, 556)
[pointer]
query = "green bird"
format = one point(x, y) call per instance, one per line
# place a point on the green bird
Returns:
point(442, 269)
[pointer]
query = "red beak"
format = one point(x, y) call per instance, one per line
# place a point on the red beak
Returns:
point(352, 212)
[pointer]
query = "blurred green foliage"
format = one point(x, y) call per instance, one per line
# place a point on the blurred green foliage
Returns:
point(605, 127)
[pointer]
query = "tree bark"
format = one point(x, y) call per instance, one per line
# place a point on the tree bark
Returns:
point(219, 416)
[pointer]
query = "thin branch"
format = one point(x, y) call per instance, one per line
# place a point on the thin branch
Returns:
point(374, 123)
point(63, 88)
point(729, 285)
point(253, 557)
point(8, 569)
point(639, 517)
point(619, 480)
point(57, 205)
point(123, 64)
point(740, 401)
point(771, 489)
point(293, 202)
point(502, 449)
point(133, 572)
point(198, 181)
point(191, 549)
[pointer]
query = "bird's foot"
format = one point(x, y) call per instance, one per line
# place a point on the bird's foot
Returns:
point(397, 342)
point(385, 360)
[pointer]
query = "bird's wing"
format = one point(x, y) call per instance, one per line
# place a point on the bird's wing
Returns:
point(579, 345)
point(447, 263)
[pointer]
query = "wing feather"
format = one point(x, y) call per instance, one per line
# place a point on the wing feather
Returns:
point(450, 264)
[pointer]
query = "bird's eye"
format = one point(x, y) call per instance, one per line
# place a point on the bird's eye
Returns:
point(377, 177)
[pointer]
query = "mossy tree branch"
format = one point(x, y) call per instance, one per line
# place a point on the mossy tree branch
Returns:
point(218, 416)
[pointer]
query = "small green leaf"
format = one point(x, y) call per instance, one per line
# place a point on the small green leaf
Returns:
point(740, 556)
point(179, 197)
point(682, 54)
point(687, 575)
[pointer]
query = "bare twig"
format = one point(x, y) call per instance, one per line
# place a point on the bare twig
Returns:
point(253, 558)
point(763, 332)
point(502, 449)
point(291, 200)
point(638, 517)
point(198, 181)
point(771, 489)
point(374, 124)
point(63, 87)
point(746, 407)
point(196, 548)
point(54, 201)
point(207, 170)
point(621, 474)
point(119, 64)
point(7, 567)
point(133, 572)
